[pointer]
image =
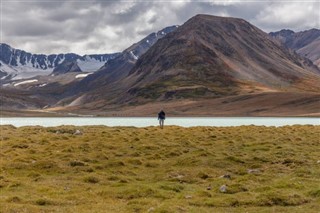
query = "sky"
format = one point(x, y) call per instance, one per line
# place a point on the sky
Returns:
point(97, 26)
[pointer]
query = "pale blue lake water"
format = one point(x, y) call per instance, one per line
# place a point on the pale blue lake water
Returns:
point(144, 122)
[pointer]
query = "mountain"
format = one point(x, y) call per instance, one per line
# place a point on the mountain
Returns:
point(67, 66)
point(306, 43)
point(207, 57)
point(19, 64)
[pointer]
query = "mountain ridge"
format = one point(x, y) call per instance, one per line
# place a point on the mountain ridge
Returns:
point(15, 62)
point(306, 43)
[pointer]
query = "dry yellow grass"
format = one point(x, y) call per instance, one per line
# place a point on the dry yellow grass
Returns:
point(175, 169)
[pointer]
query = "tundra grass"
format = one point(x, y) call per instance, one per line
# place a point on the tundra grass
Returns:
point(175, 169)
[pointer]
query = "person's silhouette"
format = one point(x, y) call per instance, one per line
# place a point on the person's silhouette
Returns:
point(161, 118)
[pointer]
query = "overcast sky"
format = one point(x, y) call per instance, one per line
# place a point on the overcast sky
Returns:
point(96, 26)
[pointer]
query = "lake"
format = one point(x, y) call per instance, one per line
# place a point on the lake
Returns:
point(144, 122)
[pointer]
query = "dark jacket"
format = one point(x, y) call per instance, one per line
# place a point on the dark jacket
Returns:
point(161, 115)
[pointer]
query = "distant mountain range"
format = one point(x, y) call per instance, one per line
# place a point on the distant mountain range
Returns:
point(19, 64)
point(306, 43)
point(208, 66)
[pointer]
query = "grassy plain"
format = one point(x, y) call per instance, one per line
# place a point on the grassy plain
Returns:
point(175, 169)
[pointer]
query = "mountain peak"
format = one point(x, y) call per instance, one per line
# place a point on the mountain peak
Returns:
point(284, 33)
point(214, 18)
point(203, 19)
point(287, 31)
point(217, 26)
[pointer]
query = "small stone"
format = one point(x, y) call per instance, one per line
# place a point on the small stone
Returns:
point(188, 197)
point(151, 209)
point(318, 161)
point(77, 132)
point(253, 171)
point(67, 188)
point(181, 209)
point(209, 187)
point(226, 176)
point(223, 188)
point(180, 176)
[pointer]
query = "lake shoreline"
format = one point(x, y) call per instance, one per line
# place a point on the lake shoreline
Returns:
point(152, 121)
point(119, 115)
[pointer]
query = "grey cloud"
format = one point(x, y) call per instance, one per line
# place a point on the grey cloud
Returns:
point(105, 4)
point(98, 26)
point(128, 16)
point(144, 32)
point(296, 16)
point(46, 5)
point(153, 20)
point(33, 29)
point(61, 15)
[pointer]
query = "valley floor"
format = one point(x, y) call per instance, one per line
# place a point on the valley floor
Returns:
point(175, 169)
point(275, 104)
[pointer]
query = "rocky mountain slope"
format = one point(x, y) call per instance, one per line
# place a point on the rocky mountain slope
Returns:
point(306, 43)
point(119, 67)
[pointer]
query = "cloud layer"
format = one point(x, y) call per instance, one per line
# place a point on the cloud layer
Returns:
point(93, 26)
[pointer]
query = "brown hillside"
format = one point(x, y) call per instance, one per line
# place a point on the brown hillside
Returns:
point(211, 56)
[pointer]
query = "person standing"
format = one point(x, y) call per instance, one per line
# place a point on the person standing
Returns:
point(161, 118)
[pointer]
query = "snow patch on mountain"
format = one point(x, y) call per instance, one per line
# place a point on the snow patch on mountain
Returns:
point(83, 75)
point(29, 74)
point(26, 82)
point(133, 55)
point(7, 69)
point(23, 71)
point(90, 64)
